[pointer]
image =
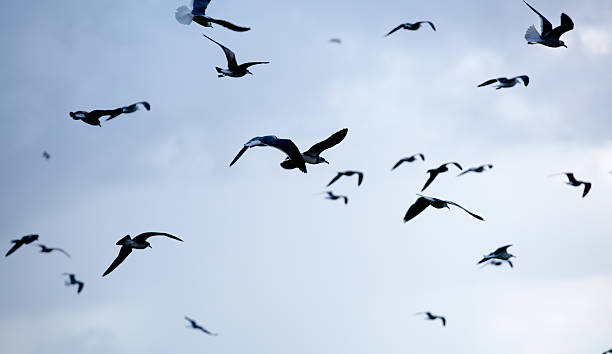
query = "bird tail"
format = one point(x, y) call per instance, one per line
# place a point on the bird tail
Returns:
point(183, 15)
point(532, 35)
point(122, 241)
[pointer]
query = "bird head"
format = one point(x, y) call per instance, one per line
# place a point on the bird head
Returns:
point(322, 160)
point(562, 44)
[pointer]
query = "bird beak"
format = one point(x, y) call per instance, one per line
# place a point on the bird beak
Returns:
point(565, 46)
point(326, 162)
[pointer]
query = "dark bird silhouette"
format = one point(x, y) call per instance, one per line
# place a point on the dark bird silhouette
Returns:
point(198, 15)
point(504, 82)
point(93, 117)
point(332, 196)
point(423, 202)
point(46, 155)
point(609, 351)
point(335, 40)
point(285, 145)
point(25, 240)
point(411, 26)
point(576, 183)
point(45, 249)
point(478, 169)
point(233, 69)
point(433, 173)
point(432, 317)
point(312, 155)
point(501, 254)
point(549, 36)
point(138, 242)
point(194, 325)
point(74, 281)
point(348, 174)
point(408, 159)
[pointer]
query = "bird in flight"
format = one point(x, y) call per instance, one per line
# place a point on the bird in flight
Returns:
point(45, 249)
point(576, 183)
point(335, 40)
point(501, 254)
point(493, 262)
point(25, 240)
point(93, 117)
point(411, 26)
point(185, 15)
point(504, 82)
point(73, 281)
point(432, 317)
point(549, 36)
point(285, 145)
point(139, 242)
point(433, 173)
point(408, 159)
point(312, 155)
point(194, 325)
point(46, 155)
point(348, 174)
point(609, 351)
point(233, 69)
point(332, 196)
point(423, 202)
point(478, 169)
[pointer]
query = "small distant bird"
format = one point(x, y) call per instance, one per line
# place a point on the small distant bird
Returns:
point(332, 196)
point(194, 325)
point(46, 155)
point(500, 253)
point(138, 242)
point(185, 15)
point(432, 317)
point(25, 240)
point(576, 183)
point(411, 26)
point(549, 36)
point(233, 69)
point(335, 40)
point(45, 249)
point(433, 173)
point(478, 169)
point(93, 117)
point(408, 159)
point(348, 174)
point(73, 281)
point(504, 82)
point(423, 202)
point(609, 351)
point(312, 155)
point(285, 145)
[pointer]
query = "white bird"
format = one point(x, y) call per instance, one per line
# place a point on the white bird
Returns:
point(285, 145)
point(549, 36)
point(423, 202)
point(504, 82)
point(432, 317)
point(233, 69)
point(500, 253)
point(185, 15)
point(411, 26)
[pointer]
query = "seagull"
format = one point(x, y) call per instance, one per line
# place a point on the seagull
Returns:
point(335, 40)
point(233, 69)
point(433, 173)
point(332, 196)
point(348, 174)
point(411, 26)
point(433, 317)
point(311, 155)
point(285, 145)
point(45, 249)
point(423, 202)
point(576, 183)
point(408, 159)
point(185, 15)
point(500, 253)
point(46, 155)
point(478, 169)
point(609, 351)
point(74, 281)
point(25, 240)
point(549, 36)
point(138, 242)
point(194, 325)
point(93, 117)
point(505, 82)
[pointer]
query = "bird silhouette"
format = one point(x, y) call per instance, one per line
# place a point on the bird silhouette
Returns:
point(434, 172)
point(185, 16)
point(411, 26)
point(348, 174)
point(25, 240)
point(45, 249)
point(549, 36)
point(74, 281)
point(433, 317)
point(285, 145)
point(312, 155)
point(423, 202)
point(194, 325)
point(233, 69)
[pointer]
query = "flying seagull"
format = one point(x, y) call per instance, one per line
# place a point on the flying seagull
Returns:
point(311, 155)
point(609, 351)
point(504, 82)
point(185, 15)
point(332, 196)
point(478, 169)
point(25, 240)
point(335, 40)
point(411, 26)
point(576, 183)
point(433, 173)
point(93, 117)
point(138, 242)
point(549, 36)
point(194, 325)
point(423, 202)
point(46, 155)
point(348, 174)
point(45, 249)
point(408, 159)
point(500, 253)
point(73, 281)
point(233, 69)
point(432, 317)
point(285, 145)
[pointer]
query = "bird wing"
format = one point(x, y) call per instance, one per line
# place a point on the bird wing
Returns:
point(199, 7)
point(587, 188)
point(359, 178)
point(61, 250)
point(467, 211)
point(206, 331)
point(571, 177)
point(421, 155)
point(288, 147)
point(145, 235)
point(466, 171)
point(566, 25)
point(345, 199)
point(443, 320)
point(432, 175)
point(454, 163)
point(488, 82)
point(523, 78)
point(395, 29)
point(415, 209)
point(251, 63)
point(242, 151)
point(398, 163)
point(229, 55)
point(227, 24)
point(193, 323)
point(502, 249)
point(340, 174)
point(81, 285)
point(546, 25)
point(123, 253)
point(431, 24)
point(332, 141)
point(483, 260)
point(510, 263)
point(14, 248)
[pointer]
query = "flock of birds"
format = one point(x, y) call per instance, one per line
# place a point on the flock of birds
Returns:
point(296, 159)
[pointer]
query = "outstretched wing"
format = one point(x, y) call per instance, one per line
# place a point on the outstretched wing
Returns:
point(395, 29)
point(14, 248)
point(251, 63)
point(502, 249)
point(467, 211)
point(332, 141)
point(443, 320)
point(359, 178)
point(488, 82)
point(566, 25)
point(431, 24)
point(61, 250)
point(123, 253)
point(242, 151)
point(571, 178)
point(454, 163)
point(227, 24)
point(432, 175)
point(523, 78)
point(81, 285)
point(288, 147)
point(546, 25)
point(229, 55)
point(345, 199)
point(398, 163)
point(416, 208)
point(340, 174)
point(134, 107)
point(587, 188)
point(145, 235)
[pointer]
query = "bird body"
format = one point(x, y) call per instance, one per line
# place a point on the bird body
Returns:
point(194, 325)
point(313, 155)
point(185, 16)
point(432, 317)
point(411, 26)
point(478, 169)
point(549, 36)
point(501, 253)
point(434, 172)
point(25, 240)
point(408, 159)
point(423, 202)
point(504, 82)
point(93, 117)
point(285, 145)
point(233, 69)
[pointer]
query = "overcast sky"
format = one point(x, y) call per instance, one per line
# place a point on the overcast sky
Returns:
point(268, 264)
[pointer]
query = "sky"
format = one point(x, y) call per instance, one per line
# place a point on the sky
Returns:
point(267, 262)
